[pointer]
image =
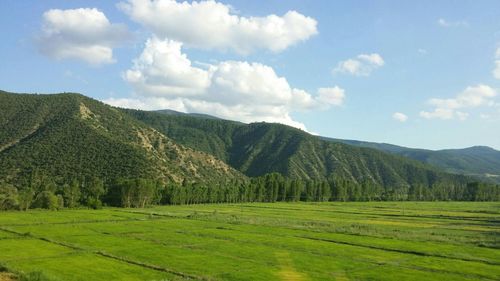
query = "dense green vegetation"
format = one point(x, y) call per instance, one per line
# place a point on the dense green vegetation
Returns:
point(365, 174)
point(64, 152)
point(258, 241)
point(63, 137)
point(139, 193)
point(67, 150)
point(479, 161)
point(276, 188)
point(260, 148)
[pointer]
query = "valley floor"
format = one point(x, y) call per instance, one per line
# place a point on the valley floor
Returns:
point(258, 241)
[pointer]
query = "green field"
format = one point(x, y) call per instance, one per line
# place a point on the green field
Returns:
point(258, 241)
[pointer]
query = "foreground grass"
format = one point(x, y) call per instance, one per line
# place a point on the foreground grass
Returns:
point(258, 241)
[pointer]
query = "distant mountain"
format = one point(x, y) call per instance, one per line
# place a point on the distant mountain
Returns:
point(178, 113)
point(259, 148)
point(480, 161)
point(68, 136)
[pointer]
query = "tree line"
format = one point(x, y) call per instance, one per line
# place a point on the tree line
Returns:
point(93, 192)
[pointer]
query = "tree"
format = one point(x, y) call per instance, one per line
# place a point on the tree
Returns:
point(26, 198)
point(325, 193)
point(8, 197)
point(71, 194)
point(144, 192)
point(92, 192)
point(141, 192)
point(47, 200)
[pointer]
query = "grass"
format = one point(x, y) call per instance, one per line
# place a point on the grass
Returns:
point(258, 241)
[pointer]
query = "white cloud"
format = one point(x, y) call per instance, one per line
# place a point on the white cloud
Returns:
point(401, 117)
point(496, 71)
point(163, 77)
point(331, 96)
point(471, 97)
point(440, 113)
point(85, 34)
point(362, 65)
point(445, 23)
point(162, 69)
point(212, 25)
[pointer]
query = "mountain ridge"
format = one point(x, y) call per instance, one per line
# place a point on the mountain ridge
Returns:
point(481, 161)
point(86, 132)
point(55, 147)
point(259, 148)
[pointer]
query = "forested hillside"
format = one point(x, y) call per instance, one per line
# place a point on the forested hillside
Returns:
point(70, 135)
point(67, 150)
point(58, 139)
point(260, 148)
point(480, 161)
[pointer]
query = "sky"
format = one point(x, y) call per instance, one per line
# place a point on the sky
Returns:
point(422, 74)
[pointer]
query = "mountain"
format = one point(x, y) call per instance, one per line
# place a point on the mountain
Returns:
point(177, 113)
point(480, 161)
point(70, 150)
point(259, 148)
point(64, 136)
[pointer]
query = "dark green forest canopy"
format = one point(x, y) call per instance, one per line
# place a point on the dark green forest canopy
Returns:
point(260, 148)
point(70, 136)
point(479, 161)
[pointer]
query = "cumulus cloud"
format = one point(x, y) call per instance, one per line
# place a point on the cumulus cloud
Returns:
point(212, 25)
point(401, 117)
point(496, 71)
point(85, 34)
point(331, 96)
point(362, 65)
point(471, 97)
point(163, 77)
point(162, 69)
point(445, 23)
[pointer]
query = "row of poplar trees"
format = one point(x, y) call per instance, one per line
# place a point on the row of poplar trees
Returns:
point(92, 192)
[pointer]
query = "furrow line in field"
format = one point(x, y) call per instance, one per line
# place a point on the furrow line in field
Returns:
point(228, 239)
point(398, 250)
point(468, 275)
point(11, 231)
point(29, 235)
point(149, 213)
point(151, 266)
point(69, 222)
point(107, 255)
point(279, 226)
point(435, 217)
point(43, 257)
point(373, 264)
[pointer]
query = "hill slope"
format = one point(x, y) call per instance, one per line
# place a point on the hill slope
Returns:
point(259, 148)
point(67, 135)
point(478, 160)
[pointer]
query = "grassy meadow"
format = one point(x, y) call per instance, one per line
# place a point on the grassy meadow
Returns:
point(258, 241)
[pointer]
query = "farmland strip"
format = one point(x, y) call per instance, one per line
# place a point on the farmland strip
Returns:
point(398, 250)
point(151, 266)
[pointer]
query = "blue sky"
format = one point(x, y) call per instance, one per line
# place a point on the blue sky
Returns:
point(415, 73)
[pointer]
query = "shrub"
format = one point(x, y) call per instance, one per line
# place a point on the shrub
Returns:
point(46, 200)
